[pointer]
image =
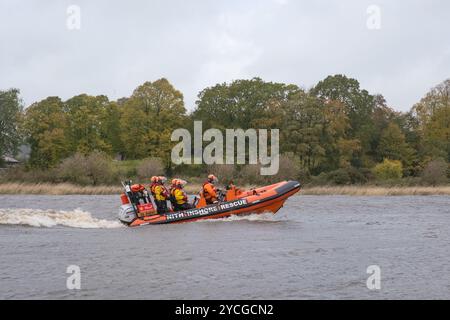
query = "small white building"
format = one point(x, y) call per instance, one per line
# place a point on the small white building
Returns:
point(10, 161)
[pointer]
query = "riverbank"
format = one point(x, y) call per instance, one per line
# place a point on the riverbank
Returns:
point(377, 191)
point(71, 189)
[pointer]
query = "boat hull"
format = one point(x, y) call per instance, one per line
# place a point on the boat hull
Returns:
point(257, 201)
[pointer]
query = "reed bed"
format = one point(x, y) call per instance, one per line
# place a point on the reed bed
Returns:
point(57, 189)
point(68, 189)
point(377, 191)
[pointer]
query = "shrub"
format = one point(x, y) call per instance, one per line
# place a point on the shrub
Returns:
point(435, 172)
point(94, 169)
point(388, 169)
point(304, 176)
point(99, 168)
point(349, 175)
point(289, 169)
point(73, 169)
point(224, 172)
point(23, 174)
point(319, 180)
point(125, 169)
point(340, 177)
point(150, 167)
point(250, 174)
point(191, 170)
point(357, 176)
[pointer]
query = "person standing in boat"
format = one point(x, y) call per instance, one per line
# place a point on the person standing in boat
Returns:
point(161, 194)
point(179, 197)
point(209, 190)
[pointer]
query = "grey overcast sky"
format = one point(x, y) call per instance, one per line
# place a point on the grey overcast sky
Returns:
point(199, 43)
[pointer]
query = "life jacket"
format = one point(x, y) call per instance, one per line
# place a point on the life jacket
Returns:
point(209, 191)
point(152, 188)
point(179, 196)
point(161, 193)
point(137, 188)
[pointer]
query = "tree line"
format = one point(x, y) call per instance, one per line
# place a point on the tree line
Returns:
point(336, 129)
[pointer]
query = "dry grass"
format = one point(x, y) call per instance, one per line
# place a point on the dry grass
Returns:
point(56, 189)
point(377, 191)
point(66, 189)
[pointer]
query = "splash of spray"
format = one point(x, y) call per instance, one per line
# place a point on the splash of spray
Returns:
point(50, 218)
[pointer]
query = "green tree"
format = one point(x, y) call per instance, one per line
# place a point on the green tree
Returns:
point(393, 145)
point(89, 128)
point(437, 133)
point(148, 118)
point(302, 128)
point(359, 107)
point(10, 113)
point(437, 98)
point(432, 114)
point(111, 127)
point(45, 127)
point(240, 104)
point(358, 102)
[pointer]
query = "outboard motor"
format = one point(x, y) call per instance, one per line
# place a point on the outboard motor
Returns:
point(127, 214)
point(127, 211)
point(136, 203)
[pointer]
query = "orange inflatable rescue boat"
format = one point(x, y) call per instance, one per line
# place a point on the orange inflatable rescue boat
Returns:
point(138, 206)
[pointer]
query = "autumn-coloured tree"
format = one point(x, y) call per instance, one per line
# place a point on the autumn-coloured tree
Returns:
point(336, 129)
point(433, 117)
point(148, 118)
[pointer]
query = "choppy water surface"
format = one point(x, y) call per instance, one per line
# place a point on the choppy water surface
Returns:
point(316, 247)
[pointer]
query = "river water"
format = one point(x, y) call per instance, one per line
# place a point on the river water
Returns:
point(316, 247)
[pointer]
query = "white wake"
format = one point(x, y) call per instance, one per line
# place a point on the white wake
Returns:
point(50, 218)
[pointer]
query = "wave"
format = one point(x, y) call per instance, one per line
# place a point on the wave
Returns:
point(50, 218)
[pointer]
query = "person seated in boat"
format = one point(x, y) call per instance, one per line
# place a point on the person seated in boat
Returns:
point(153, 184)
point(209, 190)
point(179, 197)
point(230, 185)
point(161, 194)
point(232, 191)
point(139, 194)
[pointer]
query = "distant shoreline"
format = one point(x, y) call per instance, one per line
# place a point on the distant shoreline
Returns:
point(71, 189)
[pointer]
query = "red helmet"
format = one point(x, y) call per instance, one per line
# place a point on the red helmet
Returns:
point(178, 182)
point(162, 179)
point(154, 179)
